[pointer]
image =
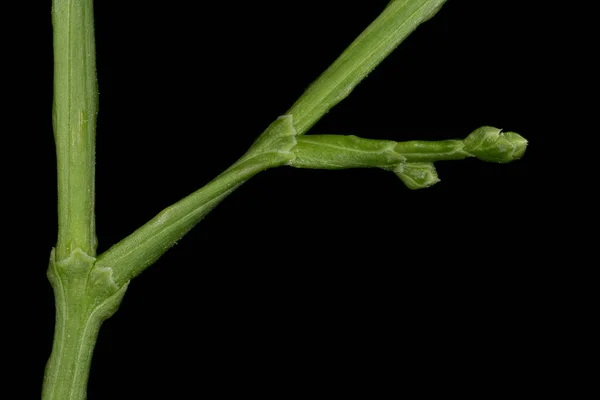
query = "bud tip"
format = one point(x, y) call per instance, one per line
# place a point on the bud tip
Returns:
point(491, 144)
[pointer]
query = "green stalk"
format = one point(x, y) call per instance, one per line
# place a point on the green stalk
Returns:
point(142, 248)
point(413, 162)
point(74, 116)
point(84, 295)
point(399, 19)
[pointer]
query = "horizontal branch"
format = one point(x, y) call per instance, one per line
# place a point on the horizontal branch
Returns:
point(412, 161)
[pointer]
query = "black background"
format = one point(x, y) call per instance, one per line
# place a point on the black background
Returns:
point(301, 282)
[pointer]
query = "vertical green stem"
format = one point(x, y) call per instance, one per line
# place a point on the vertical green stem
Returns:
point(74, 116)
point(75, 335)
point(69, 365)
point(85, 297)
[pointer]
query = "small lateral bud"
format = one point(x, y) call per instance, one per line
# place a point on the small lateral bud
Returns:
point(417, 175)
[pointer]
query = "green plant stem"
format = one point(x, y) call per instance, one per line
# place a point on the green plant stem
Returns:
point(85, 296)
point(132, 255)
point(397, 21)
point(74, 118)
